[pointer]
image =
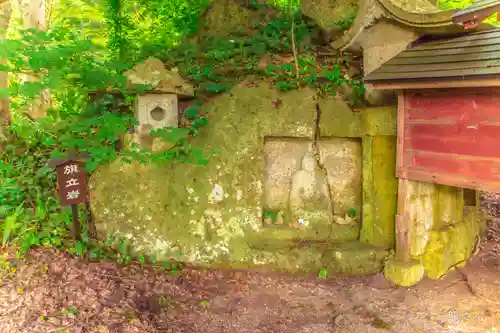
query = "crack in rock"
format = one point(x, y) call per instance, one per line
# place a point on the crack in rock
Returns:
point(317, 137)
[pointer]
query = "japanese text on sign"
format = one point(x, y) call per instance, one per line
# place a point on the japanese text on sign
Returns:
point(72, 183)
point(71, 169)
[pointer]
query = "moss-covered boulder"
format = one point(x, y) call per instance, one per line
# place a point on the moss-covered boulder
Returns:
point(213, 214)
point(333, 16)
point(225, 17)
point(444, 229)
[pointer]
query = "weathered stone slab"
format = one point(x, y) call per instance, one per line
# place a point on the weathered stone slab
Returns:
point(283, 158)
point(342, 160)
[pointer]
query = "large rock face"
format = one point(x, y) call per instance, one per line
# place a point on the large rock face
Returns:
point(238, 210)
point(333, 16)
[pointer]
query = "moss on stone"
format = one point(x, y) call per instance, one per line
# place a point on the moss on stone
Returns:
point(402, 273)
point(345, 259)
point(453, 244)
point(277, 237)
point(421, 201)
point(337, 119)
point(225, 16)
point(333, 16)
point(354, 258)
point(367, 233)
point(385, 187)
point(379, 121)
point(449, 206)
point(379, 190)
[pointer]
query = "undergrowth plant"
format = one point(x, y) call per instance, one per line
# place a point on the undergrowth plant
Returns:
point(264, 49)
point(71, 68)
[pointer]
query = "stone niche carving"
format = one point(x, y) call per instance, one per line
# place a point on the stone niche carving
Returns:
point(309, 194)
point(155, 111)
point(306, 188)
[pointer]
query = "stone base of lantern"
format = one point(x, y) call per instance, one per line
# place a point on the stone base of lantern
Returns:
point(155, 145)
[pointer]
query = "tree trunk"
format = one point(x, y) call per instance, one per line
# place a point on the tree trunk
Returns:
point(5, 14)
point(33, 17)
point(32, 13)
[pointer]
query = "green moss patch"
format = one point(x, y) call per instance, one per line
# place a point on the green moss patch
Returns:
point(379, 190)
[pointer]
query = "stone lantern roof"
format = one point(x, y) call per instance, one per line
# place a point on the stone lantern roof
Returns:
point(153, 72)
point(163, 81)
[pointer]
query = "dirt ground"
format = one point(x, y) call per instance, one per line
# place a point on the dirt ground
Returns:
point(53, 292)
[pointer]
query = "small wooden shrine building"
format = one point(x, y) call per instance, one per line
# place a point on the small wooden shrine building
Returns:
point(448, 112)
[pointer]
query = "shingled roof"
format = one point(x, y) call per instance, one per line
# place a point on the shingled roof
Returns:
point(466, 57)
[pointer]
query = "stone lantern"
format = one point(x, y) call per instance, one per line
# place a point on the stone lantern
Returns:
point(158, 108)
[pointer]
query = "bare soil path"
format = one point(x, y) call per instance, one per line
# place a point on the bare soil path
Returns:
point(53, 292)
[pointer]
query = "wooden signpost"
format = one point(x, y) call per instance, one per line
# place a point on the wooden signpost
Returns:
point(72, 185)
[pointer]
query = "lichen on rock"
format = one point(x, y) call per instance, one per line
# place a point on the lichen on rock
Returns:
point(213, 214)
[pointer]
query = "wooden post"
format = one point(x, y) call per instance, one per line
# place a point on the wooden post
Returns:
point(403, 223)
point(77, 234)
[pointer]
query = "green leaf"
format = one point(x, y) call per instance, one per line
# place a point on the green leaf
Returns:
point(5, 93)
point(10, 224)
point(40, 210)
point(323, 274)
point(192, 111)
point(80, 248)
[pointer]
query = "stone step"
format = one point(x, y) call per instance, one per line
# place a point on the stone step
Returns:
point(351, 258)
point(281, 237)
point(354, 258)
